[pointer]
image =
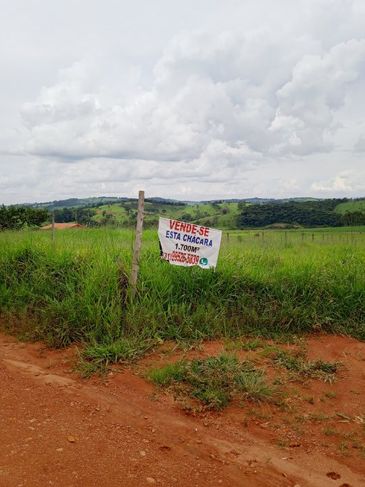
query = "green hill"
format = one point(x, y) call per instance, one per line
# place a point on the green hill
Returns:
point(222, 215)
point(351, 206)
point(225, 214)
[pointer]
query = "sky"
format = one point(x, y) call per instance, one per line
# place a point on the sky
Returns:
point(200, 99)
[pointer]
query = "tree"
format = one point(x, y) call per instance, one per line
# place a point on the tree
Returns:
point(353, 218)
point(306, 213)
point(65, 215)
point(85, 216)
point(17, 217)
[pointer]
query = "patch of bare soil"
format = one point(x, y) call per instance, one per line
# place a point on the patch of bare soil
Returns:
point(120, 430)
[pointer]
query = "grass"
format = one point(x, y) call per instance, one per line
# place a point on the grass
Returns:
point(331, 395)
point(328, 431)
point(121, 350)
point(214, 381)
point(95, 358)
point(245, 345)
point(168, 374)
point(86, 368)
point(351, 206)
point(75, 289)
point(297, 363)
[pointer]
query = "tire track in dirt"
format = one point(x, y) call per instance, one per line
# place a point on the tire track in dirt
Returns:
point(123, 436)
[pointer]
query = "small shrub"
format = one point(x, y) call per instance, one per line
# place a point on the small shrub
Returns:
point(297, 363)
point(165, 376)
point(214, 380)
point(122, 350)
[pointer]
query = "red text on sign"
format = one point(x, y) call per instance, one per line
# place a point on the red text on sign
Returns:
point(189, 228)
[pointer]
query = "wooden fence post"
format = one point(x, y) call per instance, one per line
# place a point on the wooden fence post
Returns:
point(53, 227)
point(137, 244)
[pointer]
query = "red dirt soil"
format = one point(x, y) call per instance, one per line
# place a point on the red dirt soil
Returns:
point(60, 430)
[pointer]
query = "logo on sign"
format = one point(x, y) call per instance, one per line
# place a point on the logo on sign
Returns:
point(203, 261)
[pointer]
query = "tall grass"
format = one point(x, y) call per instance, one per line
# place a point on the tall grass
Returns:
point(276, 283)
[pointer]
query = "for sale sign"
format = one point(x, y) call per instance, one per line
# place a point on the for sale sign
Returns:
point(187, 244)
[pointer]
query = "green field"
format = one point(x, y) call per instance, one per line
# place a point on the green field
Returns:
point(351, 206)
point(222, 215)
point(267, 283)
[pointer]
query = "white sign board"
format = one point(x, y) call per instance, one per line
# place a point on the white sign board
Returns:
point(187, 244)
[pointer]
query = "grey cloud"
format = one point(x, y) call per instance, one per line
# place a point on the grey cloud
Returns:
point(360, 144)
point(237, 96)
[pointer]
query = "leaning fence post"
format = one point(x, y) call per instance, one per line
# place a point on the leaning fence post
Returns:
point(53, 227)
point(137, 244)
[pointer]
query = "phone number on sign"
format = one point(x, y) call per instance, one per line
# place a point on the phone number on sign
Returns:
point(181, 257)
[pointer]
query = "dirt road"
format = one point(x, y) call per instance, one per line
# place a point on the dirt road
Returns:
point(59, 430)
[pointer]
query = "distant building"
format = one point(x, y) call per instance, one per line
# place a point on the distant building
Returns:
point(62, 226)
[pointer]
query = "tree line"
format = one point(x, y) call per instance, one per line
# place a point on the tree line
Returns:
point(304, 213)
point(17, 217)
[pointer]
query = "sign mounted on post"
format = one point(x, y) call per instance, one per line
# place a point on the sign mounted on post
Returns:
point(187, 244)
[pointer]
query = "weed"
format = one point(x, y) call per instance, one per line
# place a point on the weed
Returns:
point(122, 350)
point(343, 447)
point(318, 417)
point(279, 381)
point(258, 414)
point(189, 345)
point(330, 431)
point(309, 399)
point(214, 380)
point(297, 363)
point(168, 374)
point(283, 443)
point(88, 368)
point(270, 350)
point(331, 394)
point(248, 345)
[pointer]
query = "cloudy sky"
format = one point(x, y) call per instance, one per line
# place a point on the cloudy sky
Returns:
point(197, 99)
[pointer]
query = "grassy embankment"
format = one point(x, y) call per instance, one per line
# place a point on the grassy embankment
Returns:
point(266, 283)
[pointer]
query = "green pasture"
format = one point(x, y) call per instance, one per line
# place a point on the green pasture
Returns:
point(351, 206)
point(267, 283)
point(221, 215)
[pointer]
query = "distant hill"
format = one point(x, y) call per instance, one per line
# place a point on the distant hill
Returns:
point(223, 213)
point(351, 206)
point(101, 200)
point(76, 202)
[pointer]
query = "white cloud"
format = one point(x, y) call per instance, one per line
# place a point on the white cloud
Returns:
point(205, 88)
point(340, 184)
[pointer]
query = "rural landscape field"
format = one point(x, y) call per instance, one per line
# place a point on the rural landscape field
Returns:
point(182, 243)
point(269, 345)
point(270, 283)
